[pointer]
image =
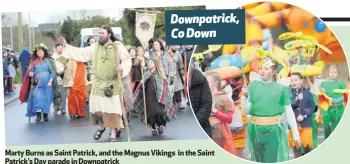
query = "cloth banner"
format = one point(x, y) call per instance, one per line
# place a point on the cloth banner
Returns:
point(145, 24)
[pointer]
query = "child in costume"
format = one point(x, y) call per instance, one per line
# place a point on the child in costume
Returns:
point(333, 114)
point(221, 116)
point(239, 134)
point(266, 101)
point(158, 101)
point(303, 106)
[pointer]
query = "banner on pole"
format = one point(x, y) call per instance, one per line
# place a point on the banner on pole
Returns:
point(144, 28)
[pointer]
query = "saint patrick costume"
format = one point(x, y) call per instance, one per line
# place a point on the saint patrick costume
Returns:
point(104, 60)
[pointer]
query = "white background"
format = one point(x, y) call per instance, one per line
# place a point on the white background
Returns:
point(325, 8)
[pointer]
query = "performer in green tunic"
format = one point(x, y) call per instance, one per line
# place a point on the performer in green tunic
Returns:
point(107, 88)
point(333, 114)
point(267, 101)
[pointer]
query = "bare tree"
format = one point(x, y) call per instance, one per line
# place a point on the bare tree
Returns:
point(83, 14)
point(4, 19)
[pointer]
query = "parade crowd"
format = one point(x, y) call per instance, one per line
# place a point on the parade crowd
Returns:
point(254, 114)
point(10, 65)
point(116, 82)
point(113, 81)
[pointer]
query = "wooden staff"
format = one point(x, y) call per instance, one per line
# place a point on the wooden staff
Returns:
point(144, 98)
point(143, 86)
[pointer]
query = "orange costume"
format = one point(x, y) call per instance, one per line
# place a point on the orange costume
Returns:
point(220, 121)
point(239, 137)
point(76, 83)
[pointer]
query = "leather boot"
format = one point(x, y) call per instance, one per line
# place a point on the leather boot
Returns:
point(45, 117)
point(38, 117)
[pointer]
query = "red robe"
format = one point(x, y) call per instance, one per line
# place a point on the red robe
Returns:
point(25, 89)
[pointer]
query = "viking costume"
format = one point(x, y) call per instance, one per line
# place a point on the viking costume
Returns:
point(169, 67)
point(178, 80)
point(75, 81)
point(60, 68)
point(35, 90)
point(89, 78)
point(159, 105)
point(136, 75)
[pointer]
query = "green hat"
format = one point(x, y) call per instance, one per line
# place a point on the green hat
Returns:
point(40, 46)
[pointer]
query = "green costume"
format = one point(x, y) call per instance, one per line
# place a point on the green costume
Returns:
point(268, 143)
point(332, 116)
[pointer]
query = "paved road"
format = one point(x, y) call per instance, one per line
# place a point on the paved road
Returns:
point(62, 130)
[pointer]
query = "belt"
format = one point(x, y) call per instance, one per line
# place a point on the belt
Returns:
point(336, 105)
point(266, 120)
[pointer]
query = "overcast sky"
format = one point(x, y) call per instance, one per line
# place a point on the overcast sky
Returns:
point(55, 16)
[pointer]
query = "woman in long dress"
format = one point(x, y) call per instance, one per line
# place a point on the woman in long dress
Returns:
point(178, 80)
point(39, 83)
point(156, 95)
